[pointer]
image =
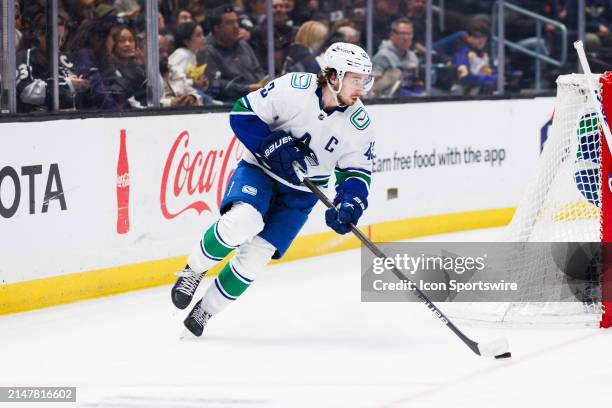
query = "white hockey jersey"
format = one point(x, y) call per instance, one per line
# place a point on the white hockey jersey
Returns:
point(340, 141)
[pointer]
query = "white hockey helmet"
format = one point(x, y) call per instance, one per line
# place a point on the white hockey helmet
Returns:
point(346, 57)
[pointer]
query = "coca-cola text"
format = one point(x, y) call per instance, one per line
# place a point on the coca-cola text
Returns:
point(189, 176)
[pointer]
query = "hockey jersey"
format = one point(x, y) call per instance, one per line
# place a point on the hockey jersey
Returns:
point(340, 141)
point(32, 80)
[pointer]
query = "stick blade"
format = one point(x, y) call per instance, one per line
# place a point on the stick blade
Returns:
point(494, 348)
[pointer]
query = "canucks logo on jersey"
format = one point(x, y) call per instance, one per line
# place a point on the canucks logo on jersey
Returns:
point(339, 144)
point(360, 119)
point(300, 80)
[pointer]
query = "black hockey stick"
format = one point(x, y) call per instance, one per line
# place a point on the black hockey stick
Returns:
point(498, 348)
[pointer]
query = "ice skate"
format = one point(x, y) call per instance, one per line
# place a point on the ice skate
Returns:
point(197, 319)
point(185, 287)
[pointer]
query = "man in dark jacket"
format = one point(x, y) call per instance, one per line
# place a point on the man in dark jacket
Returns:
point(233, 69)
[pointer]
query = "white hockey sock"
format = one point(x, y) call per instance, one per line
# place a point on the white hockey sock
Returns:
point(238, 274)
point(238, 225)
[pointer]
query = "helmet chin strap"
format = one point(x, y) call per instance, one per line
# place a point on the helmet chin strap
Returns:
point(334, 92)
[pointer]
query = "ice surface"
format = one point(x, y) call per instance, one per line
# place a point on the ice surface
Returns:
point(299, 337)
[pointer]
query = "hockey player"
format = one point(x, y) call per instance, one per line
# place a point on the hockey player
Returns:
point(316, 121)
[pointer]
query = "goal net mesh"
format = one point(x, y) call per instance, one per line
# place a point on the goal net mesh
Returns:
point(562, 204)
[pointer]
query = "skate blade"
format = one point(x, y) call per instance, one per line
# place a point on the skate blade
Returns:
point(188, 336)
point(176, 310)
point(185, 274)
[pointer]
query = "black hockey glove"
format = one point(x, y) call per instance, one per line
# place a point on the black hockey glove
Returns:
point(278, 151)
point(348, 208)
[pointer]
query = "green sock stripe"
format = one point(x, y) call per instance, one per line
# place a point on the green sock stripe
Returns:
point(212, 245)
point(231, 283)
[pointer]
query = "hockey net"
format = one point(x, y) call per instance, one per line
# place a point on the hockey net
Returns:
point(563, 203)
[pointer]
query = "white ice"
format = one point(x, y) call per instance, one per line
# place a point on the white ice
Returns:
point(299, 337)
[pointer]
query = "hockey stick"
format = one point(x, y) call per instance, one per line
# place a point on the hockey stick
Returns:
point(498, 348)
point(584, 63)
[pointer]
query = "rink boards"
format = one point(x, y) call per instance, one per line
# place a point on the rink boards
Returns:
point(439, 167)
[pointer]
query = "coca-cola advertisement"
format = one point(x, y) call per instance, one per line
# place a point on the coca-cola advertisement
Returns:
point(195, 175)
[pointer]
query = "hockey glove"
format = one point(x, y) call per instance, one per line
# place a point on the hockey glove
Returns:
point(348, 208)
point(278, 151)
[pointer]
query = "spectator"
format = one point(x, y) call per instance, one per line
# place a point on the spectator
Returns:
point(105, 9)
point(417, 13)
point(183, 16)
point(18, 24)
point(161, 23)
point(385, 12)
point(358, 12)
point(77, 11)
point(197, 8)
point(395, 65)
point(175, 90)
point(598, 14)
point(256, 11)
point(473, 67)
point(336, 10)
point(310, 10)
point(92, 60)
point(127, 9)
point(168, 8)
point(31, 9)
point(348, 34)
point(302, 53)
point(343, 23)
point(34, 91)
point(233, 68)
point(189, 40)
point(283, 36)
point(344, 31)
point(289, 9)
point(125, 58)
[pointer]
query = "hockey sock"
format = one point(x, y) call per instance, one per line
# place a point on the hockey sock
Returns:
point(236, 226)
point(238, 274)
point(210, 250)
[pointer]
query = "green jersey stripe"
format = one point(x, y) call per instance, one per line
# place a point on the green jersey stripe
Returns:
point(343, 175)
point(240, 106)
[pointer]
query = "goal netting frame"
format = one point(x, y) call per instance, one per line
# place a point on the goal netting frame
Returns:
point(569, 199)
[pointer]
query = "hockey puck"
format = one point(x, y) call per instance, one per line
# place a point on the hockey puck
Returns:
point(505, 355)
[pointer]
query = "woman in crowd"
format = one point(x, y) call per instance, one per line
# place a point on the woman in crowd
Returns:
point(189, 40)
point(303, 52)
point(126, 58)
point(175, 91)
point(92, 60)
